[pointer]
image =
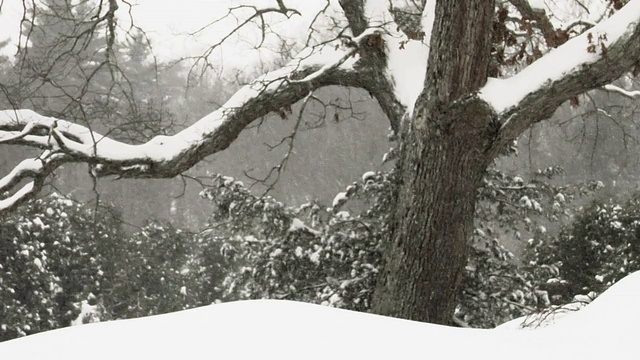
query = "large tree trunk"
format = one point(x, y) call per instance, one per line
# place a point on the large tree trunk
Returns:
point(433, 220)
point(446, 146)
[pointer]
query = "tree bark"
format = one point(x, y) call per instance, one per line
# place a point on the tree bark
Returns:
point(433, 220)
point(446, 146)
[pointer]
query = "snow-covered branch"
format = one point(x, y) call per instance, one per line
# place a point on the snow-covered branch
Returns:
point(585, 62)
point(168, 156)
point(32, 171)
point(632, 94)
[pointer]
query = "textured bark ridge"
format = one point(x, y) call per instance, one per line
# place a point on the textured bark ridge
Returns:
point(444, 153)
point(435, 206)
point(431, 226)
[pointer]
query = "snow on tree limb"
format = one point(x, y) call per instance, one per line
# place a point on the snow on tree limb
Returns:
point(407, 60)
point(632, 94)
point(34, 171)
point(384, 59)
point(168, 156)
point(585, 62)
point(17, 198)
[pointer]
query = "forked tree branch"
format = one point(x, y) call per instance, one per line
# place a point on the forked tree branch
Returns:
point(542, 22)
point(586, 62)
point(354, 11)
point(168, 156)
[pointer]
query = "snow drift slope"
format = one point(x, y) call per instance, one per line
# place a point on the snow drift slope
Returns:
point(606, 329)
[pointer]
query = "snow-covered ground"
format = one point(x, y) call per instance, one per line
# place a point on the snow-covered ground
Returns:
point(607, 328)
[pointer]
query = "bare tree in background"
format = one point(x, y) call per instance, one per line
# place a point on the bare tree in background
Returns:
point(443, 73)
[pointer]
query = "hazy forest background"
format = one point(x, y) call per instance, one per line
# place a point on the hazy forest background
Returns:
point(136, 97)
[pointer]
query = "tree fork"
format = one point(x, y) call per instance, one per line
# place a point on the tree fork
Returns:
point(445, 150)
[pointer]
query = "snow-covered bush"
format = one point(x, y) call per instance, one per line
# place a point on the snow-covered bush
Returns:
point(155, 273)
point(497, 285)
point(331, 255)
point(53, 255)
point(58, 259)
point(62, 264)
point(601, 247)
point(312, 253)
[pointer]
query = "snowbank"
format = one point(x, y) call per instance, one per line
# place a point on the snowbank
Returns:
point(605, 329)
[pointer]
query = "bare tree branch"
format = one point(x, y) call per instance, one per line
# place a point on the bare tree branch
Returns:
point(273, 176)
point(408, 17)
point(542, 22)
point(258, 14)
point(354, 11)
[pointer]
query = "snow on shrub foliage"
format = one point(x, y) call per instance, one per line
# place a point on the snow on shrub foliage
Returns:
point(601, 247)
point(57, 258)
point(331, 256)
point(157, 263)
point(308, 253)
point(52, 257)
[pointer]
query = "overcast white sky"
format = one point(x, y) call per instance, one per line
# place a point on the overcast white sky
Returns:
point(168, 22)
point(162, 18)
